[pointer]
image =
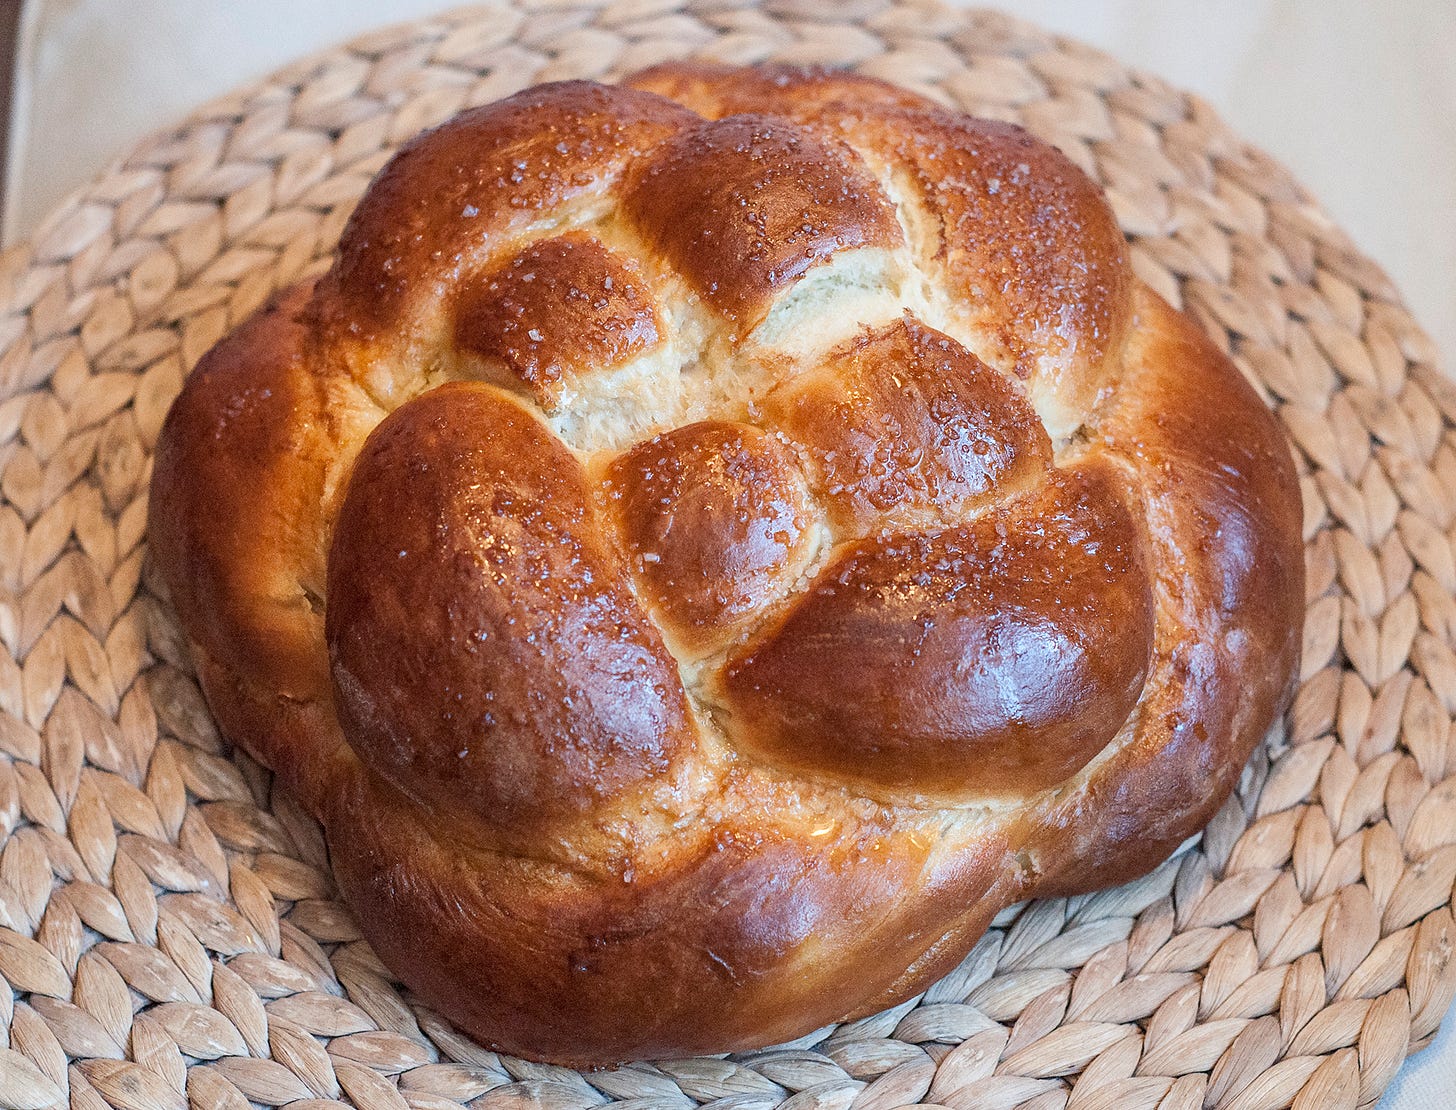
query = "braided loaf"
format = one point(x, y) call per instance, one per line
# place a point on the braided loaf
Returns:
point(710, 543)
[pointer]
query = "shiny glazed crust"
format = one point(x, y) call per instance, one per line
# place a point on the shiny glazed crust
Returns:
point(709, 544)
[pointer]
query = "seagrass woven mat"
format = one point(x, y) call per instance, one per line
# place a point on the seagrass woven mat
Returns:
point(168, 927)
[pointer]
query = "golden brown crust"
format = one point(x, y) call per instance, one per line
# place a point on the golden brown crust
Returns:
point(701, 669)
point(1020, 246)
point(1223, 521)
point(486, 651)
point(560, 309)
point(905, 424)
point(715, 521)
point(245, 432)
point(753, 934)
point(1020, 242)
point(447, 196)
point(992, 659)
point(744, 206)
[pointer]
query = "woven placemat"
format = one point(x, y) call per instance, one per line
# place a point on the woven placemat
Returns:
point(168, 925)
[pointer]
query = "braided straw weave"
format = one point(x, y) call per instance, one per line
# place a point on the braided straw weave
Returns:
point(168, 925)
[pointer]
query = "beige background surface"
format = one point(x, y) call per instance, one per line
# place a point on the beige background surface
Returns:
point(1358, 98)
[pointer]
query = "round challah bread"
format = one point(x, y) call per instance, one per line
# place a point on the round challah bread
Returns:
point(709, 544)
